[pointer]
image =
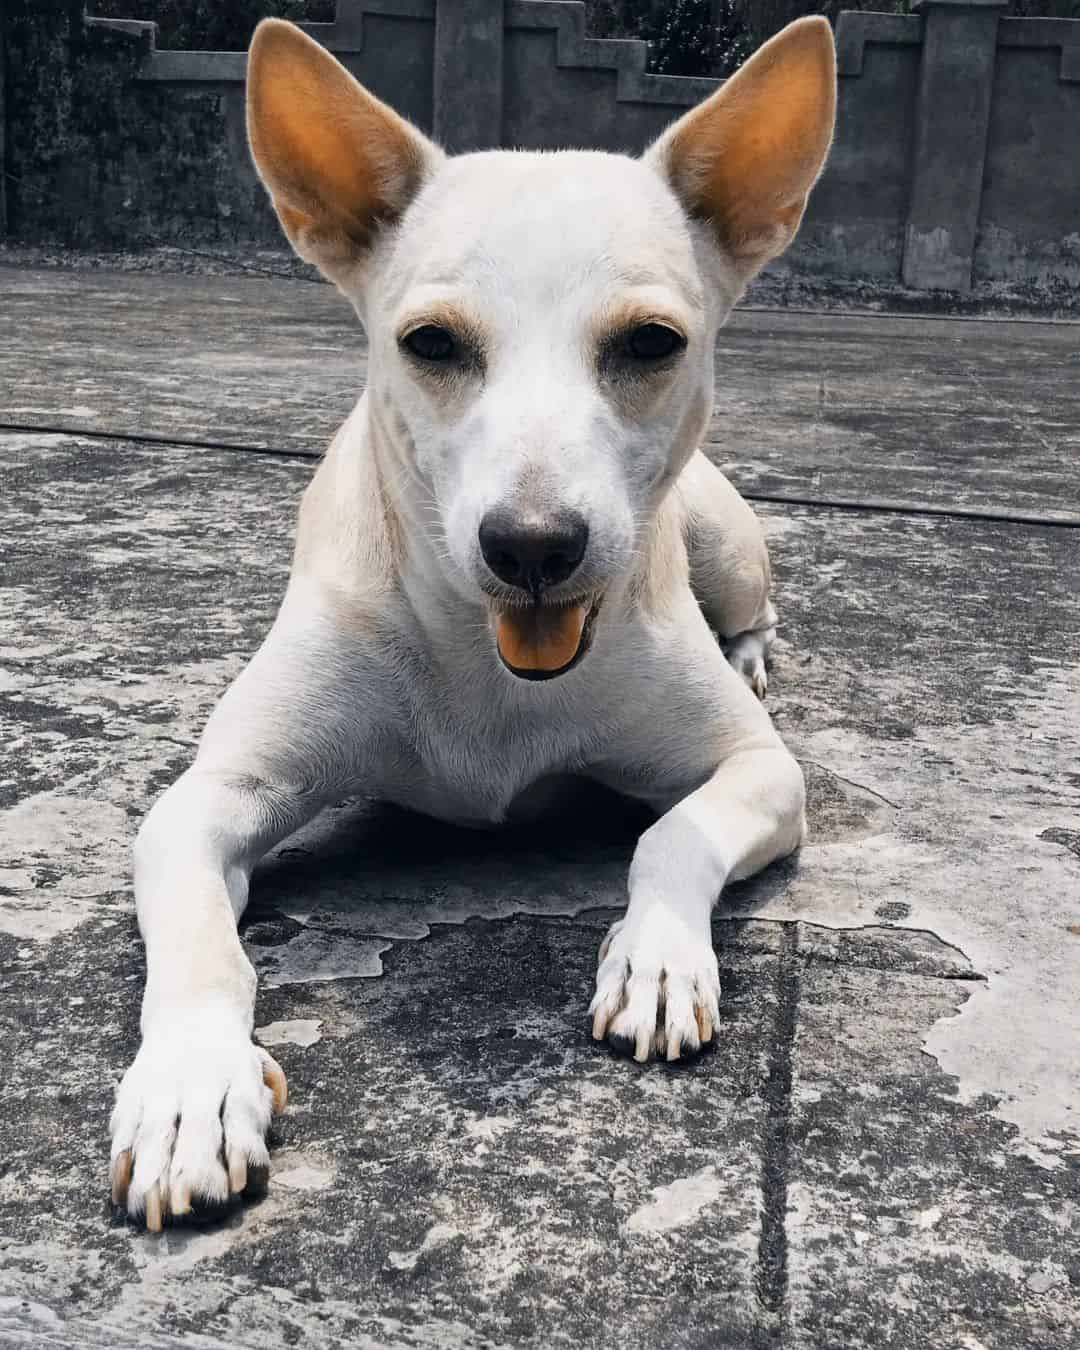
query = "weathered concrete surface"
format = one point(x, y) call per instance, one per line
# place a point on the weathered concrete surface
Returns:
point(459, 1165)
point(943, 413)
point(952, 697)
point(949, 414)
point(283, 368)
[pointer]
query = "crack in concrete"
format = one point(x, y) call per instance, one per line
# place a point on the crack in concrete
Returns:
point(850, 782)
point(771, 1275)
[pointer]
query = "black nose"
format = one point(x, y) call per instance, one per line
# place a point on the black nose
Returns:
point(533, 556)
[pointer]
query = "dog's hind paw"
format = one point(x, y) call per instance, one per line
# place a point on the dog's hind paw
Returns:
point(746, 654)
point(657, 988)
point(190, 1121)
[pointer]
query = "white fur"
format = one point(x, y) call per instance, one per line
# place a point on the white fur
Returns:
point(380, 674)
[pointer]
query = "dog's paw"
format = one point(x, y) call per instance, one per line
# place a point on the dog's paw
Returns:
point(657, 987)
point(746, 656)
point(190, 1120)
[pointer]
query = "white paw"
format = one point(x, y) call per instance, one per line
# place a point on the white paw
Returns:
point(746, 655)
point(191, 1115)
point(657, 986)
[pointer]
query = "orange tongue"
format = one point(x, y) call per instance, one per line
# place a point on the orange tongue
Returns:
point(539, 638)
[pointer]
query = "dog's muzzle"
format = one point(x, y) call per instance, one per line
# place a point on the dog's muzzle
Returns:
point(539, 642)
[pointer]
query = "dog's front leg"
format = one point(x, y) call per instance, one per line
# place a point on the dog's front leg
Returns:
point(658, 986)
point(192, 1111)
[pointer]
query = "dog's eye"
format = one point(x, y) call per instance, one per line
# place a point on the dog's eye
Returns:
point(431, 343)
point(654, 342)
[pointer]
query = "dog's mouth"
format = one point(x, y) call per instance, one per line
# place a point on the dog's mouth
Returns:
point(539, 642)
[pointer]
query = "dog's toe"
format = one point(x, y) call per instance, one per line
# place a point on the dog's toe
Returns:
point(189, 1126)
point(651, 1003)
point(746, 655)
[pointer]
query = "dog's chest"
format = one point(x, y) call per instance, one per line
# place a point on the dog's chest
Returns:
point(475, 760)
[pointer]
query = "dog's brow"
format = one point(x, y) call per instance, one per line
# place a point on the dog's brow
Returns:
point(635, 274)
point(445, 315)
point(648, 304)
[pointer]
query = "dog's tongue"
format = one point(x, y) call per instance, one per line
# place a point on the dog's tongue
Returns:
point(539, 638)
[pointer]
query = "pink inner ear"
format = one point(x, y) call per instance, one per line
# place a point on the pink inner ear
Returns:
point(747, 158)
point(331, 154)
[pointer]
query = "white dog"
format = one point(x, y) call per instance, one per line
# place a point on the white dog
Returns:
point(509, 567)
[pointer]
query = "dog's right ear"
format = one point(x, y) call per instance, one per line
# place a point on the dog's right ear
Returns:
point(337, 162)
point(745, 160)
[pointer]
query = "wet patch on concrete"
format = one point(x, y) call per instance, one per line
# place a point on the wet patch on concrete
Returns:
point(1069, 839)
point(840, 809)
point(955, 717)
point(459, 1153)
point(298, 1031)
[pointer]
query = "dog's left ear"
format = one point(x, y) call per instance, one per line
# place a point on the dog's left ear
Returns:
point(746, 159)
point(337, 162)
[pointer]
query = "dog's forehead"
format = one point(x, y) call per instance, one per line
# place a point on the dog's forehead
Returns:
point(563, 218)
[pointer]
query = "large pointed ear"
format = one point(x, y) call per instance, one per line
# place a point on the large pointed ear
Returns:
point(337, 162)
point(746, 159)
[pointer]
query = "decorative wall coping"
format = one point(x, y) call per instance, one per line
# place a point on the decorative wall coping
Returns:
point(855, 28)
point(139, 28)
point(346, 32)
point(626, 56)
point(1060, 33)
point(345, 35)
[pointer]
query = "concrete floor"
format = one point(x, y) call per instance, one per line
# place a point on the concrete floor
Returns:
point(884, 1149)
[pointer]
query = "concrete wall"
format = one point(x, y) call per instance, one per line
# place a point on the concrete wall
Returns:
point(1029, 220)
point(955, 158)
point(855, 223)
point(96, 156)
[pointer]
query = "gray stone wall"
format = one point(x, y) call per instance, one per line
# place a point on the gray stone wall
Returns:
point(1029, 219)
point(955, 158)
point(854, 225)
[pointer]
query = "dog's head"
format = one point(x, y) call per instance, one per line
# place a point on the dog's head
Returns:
point(541, 324)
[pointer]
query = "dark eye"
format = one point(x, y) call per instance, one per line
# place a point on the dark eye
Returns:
point(431, 343)
point(654, 342)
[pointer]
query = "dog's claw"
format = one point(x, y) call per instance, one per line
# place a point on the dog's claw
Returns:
point(274, 1078)
point(238, 1171)
point(121, 1177)
point(153, 1210)
point(180, 1199)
